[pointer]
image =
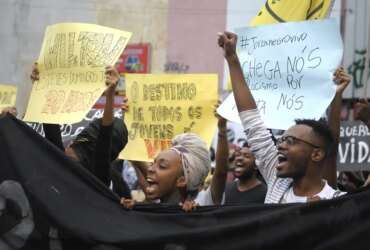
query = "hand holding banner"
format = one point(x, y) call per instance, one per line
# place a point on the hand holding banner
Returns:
point(8, 94)
point(162, 106)
point(72, 63)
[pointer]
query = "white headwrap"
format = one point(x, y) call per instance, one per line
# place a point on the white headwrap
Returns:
point(195, 158)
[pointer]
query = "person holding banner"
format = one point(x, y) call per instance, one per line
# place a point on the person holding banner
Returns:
point(10, 110)
point(293, 168)
point(101, 141)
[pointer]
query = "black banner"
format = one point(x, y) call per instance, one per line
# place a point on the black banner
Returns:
point(70, 131)
point(87, 215)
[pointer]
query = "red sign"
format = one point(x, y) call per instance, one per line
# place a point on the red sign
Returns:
point(134, 59)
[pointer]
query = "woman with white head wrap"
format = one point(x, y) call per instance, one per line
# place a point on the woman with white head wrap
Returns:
point(178, 172)
point(195, 158)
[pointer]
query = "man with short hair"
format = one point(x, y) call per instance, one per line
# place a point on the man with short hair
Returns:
point(246, 188)
point(293, 169)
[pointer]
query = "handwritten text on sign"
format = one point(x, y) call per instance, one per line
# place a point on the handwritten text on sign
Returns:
point(162, 106)
point(72, 64)
point(289, 68)
point(8, 94)
point(354, 147)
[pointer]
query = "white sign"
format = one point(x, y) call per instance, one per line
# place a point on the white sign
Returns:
point(289, 68)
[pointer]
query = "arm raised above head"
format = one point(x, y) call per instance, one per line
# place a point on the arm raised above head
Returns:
point(222, 162)
point(342, 79)
point(259, 138)
point(242, 94)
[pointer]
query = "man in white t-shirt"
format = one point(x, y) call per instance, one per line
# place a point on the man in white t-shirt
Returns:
point(293, 170)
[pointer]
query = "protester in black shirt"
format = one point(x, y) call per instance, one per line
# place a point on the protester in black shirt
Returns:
point(247, 188)
point(101, 141)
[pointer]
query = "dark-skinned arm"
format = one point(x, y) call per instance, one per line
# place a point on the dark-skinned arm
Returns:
point(103, 145)
point(258, 136)
point(222, 163)
point(242, 94)
point(342, 79)
point(141, 168)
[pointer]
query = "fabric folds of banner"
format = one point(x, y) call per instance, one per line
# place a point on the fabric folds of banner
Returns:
point(87, 214)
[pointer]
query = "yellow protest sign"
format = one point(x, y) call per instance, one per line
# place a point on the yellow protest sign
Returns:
point(72, 62)
point(8, 95)
point(162, 106)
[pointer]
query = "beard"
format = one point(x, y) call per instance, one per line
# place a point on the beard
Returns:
point(296, 170)
point(247, 174)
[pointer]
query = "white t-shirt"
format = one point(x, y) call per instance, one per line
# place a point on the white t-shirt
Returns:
point(326, 193)
point(204, 198)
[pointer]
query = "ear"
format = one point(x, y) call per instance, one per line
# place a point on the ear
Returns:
point(181, 182)
point(255, 164)
point(318, 155)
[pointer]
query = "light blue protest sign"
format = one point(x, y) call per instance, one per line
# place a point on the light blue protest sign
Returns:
point(289, 68)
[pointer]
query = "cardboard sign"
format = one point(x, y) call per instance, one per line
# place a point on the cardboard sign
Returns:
point(289, 68)
point(8, 95)
point(72, 63)
point(162, 106)
point(354, 147)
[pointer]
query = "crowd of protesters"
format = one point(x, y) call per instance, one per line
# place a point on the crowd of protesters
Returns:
point(299, 166)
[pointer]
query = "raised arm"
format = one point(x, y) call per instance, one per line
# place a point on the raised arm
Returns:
point(259, 138)
point(141, 169)
point(112, 78)
point(342, 79)
point(103, 145)
point(243, 96)
point(222, 163)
